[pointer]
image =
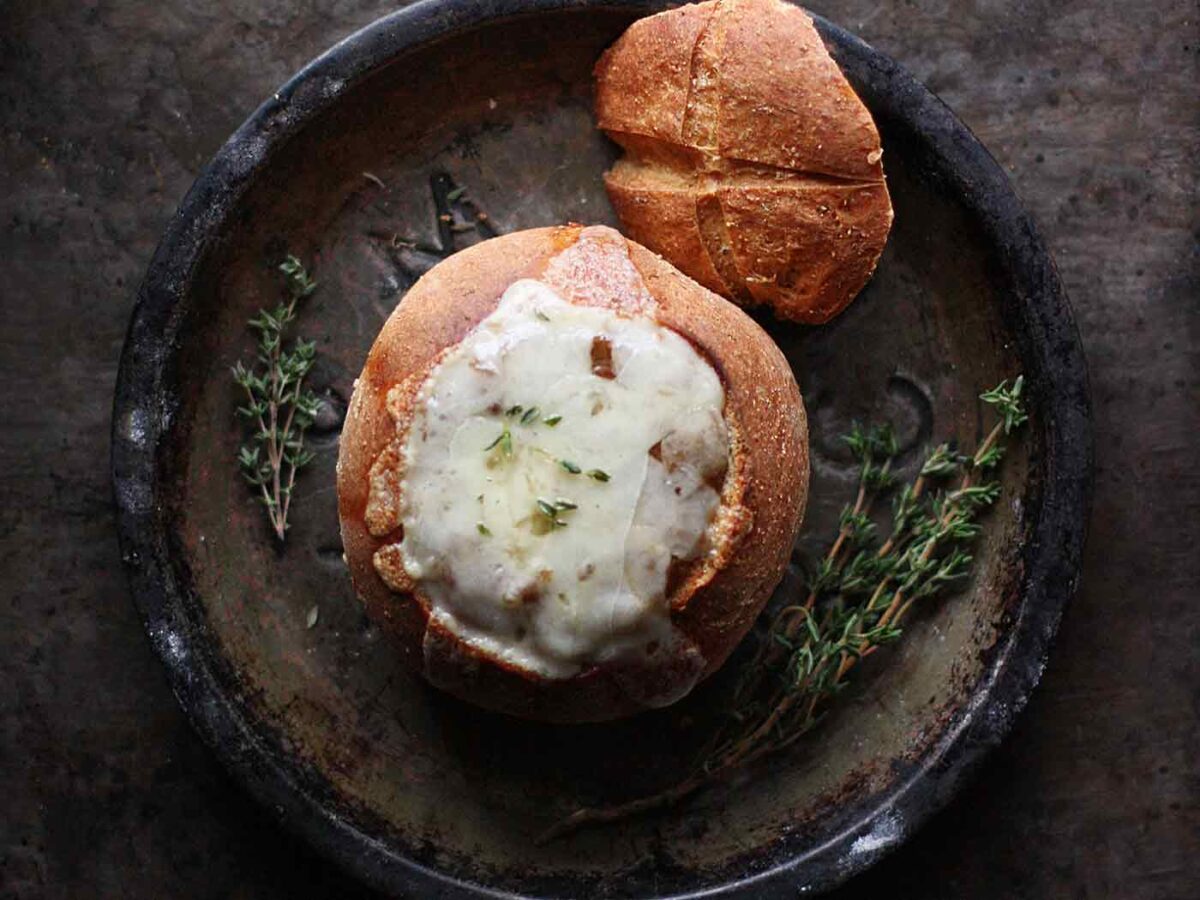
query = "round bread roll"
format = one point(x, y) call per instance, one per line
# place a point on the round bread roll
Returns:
point(570, 477)
point(750, 163)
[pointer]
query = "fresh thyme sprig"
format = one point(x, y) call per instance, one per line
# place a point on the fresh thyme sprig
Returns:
point(857, 598)
point(278, 408)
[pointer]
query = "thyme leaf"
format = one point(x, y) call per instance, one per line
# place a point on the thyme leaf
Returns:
point(548, 518)
point(501, 444)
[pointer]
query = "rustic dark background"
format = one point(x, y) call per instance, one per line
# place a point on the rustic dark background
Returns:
point(108, 108)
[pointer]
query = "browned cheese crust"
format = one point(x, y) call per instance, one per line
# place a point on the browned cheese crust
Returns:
point(763, 497)
point(750, 163)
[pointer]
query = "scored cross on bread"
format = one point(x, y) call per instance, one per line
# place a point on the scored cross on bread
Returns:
point(750, 163)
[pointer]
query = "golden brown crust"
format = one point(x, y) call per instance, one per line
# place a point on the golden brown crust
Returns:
point(763, 496)
point(650, 100)
point(784, 102)
point(835, 235)
point(663, 209)
point(766, 110)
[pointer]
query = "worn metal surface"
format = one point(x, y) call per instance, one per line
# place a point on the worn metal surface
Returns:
point(388, 776)
point(101, 762)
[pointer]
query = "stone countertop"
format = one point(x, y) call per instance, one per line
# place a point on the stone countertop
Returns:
point(108, 108)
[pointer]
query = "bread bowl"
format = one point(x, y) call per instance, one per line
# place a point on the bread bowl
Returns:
point(750, 163)
point(546, 415)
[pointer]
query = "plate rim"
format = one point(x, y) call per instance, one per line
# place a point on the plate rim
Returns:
point(143, 414)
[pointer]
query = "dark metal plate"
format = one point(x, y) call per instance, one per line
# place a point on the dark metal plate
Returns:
point(423, 795)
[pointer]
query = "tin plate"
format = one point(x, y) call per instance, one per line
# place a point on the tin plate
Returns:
point(424, 796)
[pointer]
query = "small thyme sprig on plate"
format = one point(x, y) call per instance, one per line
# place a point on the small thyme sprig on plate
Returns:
point(857, 597)
point(278, 409)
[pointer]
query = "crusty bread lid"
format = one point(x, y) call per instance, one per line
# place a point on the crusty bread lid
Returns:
point(750, 162)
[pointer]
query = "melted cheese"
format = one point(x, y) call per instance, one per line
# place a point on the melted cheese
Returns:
point(543, 502)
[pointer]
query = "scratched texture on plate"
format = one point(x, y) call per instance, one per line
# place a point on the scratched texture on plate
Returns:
point(450, 785)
